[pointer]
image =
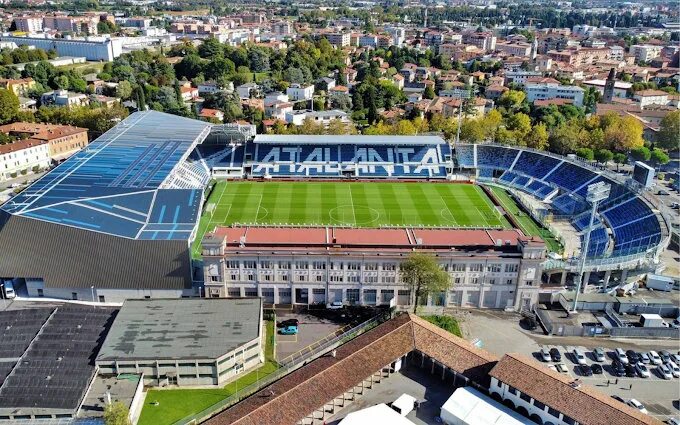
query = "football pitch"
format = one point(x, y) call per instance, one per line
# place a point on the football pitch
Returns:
point(356, 204)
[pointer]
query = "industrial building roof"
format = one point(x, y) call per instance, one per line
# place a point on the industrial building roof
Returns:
point(118, 184)
point(181, 328)
point(344, 139)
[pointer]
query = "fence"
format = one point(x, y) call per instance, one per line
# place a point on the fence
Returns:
point(284, 370)
point(671, 333)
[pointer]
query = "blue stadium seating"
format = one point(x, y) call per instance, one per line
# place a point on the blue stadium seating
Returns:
point(637, 236)
point(495, 157)
point(568, 204)
point(570, 176)
point(623, 213)
point(465, 155)
point(534, 164)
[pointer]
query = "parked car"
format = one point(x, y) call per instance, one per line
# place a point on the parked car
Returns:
point(664, 372)
point(597, 369)
point(621, 356)
point(289, 330)
point(585, 370)
point(637, 405)
point(562, 368)
point(655, 358)
point(645, 358)
point(579, 357)
point(676, 359)
point(598, 354)
point(641, 370)
point(665, 356)
point(288, 322)
point(673, 421)
point(675, 369)
point(631, 372)
point(617, 398)
point(335, 305)
point(618, 368)
point(545, 354)
point(633, 357)
point(555, 355)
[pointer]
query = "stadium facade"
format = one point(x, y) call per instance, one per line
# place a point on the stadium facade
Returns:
point(302, 266)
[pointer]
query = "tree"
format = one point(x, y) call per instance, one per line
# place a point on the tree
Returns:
point(106, 27)
point(9, 106)
point(116, 413)
point(423, 276)
point(210, 47)
point(641, 154)
point(538, 137)
point(585, 153)
point(622, 133)
point(124, 90)
point(189, 67)
point(511, 99)
point(604, 155)
point(429, 92)
point(668, 136)
point(620, 158)
point(658, 156)
point(564, 138)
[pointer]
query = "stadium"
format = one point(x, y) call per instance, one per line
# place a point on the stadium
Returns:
point(136, 214)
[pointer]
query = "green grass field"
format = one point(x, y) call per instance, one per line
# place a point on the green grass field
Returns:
point(174, 405)
point(527, 224)
point(356, 204)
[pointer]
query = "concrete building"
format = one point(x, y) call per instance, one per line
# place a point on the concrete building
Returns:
point(300, 92)
point(104, 50)
point(483, 40)
point(547, 91)
point(398, 35)
point(319, 117)
point(651, 97)
point(645, 52)
point(294, 265)
point(184, 342)
point(63, 140)
point(368, 40)
point(514, 49)
point(620, 89)
point(19, 87)
point(64, 98)
point(339, 39)
point(22, 157)
point(29, 24)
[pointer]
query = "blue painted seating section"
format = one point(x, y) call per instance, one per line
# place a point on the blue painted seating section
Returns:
point(534, 164)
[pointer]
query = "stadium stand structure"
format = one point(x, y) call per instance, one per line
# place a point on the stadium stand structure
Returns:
point(636, 227)
point(118, 215)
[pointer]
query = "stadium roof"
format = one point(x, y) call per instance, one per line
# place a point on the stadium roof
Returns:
point(181, 328)
point(296, 139)
point(118, 184)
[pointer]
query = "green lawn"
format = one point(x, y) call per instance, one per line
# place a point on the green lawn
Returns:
point(357, 204)
point(526, 222)
point(174, 405)
point(447, 323)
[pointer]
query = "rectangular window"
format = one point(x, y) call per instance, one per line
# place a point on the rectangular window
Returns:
point(301, 265)
point(265, 264)
point(539, 405)
point(389, 267)
point(492, 281)
point(553, 412)
point(494, 268)
point(371, 266)
point(512, 390)
point(352, 295)
point(387, 279)
point(457, 280)
point(234, 292)
point(231, 264)
point(234, 276)
point(301, 278)
point(251, 292)
point(371, 279)
point(525, 397)
point(353, 266)
point(508, 282)
point(511, 268)
point(249, 265)
point(474, 280)
point(284, 278)
point(336, 266)
point(319, 278)
point(353, 279)
point(267, 278)
point(319, 265)
point(214, 278)
point(568, 420)
point(284, 265)
point(476, 267)
point(318, 291)
point(336, 278)
point(250, 277)
point(458, 267)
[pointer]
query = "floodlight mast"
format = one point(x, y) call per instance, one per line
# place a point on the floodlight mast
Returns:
point(596, 192)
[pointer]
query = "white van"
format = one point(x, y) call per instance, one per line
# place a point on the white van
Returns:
point(404, 404)
point(8, 289)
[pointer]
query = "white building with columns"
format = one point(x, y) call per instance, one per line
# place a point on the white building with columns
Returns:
point(301, 266)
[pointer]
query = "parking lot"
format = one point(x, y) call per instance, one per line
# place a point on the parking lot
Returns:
point(658, 395)
point(310, 330)
point(500, 333)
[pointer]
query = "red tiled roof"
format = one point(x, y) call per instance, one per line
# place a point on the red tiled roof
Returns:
point(20, 145)
point(582, 403)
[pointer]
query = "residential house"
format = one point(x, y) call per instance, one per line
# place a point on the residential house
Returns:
point(651, 97)
point(319, 117)
point(300, 92)
point(19, 87)
point(64, 98)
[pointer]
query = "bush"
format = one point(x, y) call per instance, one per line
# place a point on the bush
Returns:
point(447, 323)
point(24, 171)
point(36, 169)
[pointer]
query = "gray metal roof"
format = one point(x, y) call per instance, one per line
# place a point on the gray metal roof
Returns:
point(181, 328)
point(347, 139)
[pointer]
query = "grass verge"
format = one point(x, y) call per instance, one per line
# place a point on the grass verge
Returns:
point(447, 323)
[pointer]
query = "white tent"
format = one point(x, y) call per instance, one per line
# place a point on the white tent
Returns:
point(467, 406)
point(378, 414)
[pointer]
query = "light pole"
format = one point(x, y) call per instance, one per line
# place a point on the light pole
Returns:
point(460, 95)
point(92, 289)
point(596, 193)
